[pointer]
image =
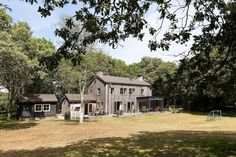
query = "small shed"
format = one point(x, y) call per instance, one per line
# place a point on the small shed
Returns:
point(37, 106)
point(72, 103)
point(150, 103)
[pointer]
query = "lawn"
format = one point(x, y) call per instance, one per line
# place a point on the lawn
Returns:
point(162, 134)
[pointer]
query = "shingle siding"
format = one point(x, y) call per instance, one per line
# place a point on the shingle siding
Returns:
point(101, 98)
point(109, 99)
point(26, 105)
point(27, 111)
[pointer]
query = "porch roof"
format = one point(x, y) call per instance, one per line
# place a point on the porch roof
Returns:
point(76, 98)
point(155, 97)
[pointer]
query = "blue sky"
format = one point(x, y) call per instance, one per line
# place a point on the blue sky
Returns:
point(131, 50)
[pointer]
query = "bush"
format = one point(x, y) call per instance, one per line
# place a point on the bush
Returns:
point(67, 115)
point(3, 102)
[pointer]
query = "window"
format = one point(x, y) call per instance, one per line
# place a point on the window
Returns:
point(77, 109)
point(46, 107)
point(42, 107)
point(112, 90)
point(131, 90)
point(98, 91)
point(142, 91)
point(38, 107)
point(125, 90)
point(121, 90)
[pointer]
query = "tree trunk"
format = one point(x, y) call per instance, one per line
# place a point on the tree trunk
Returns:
point(8, 107)
point(81, 120)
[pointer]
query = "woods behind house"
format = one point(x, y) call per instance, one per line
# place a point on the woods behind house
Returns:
point(26, 62)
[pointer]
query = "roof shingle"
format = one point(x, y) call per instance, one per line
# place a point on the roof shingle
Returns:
point(37, 98)
point(122, 80)
point(76, 98)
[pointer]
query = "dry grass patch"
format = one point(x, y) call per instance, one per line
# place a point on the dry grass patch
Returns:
point(50, 134)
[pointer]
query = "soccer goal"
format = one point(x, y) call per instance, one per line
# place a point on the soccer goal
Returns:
point(214, 115)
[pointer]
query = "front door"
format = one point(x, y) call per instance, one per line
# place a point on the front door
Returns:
point(85, 109)
point(118, 106)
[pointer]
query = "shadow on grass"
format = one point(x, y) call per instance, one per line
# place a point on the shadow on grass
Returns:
point(15, 125)
point(77, 121)
point(144, 144)
point(201, 113)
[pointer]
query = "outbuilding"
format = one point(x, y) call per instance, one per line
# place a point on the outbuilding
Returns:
point(72, 103)
point(37, 106)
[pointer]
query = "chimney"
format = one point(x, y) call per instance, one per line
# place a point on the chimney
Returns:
point(140, 78)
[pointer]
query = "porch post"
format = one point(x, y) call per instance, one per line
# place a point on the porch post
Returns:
point(149, 104)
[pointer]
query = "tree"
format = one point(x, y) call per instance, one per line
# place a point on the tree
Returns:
point(21, 61)
point(134, 70)
point(83, 70)
point(118, 68)
point(5, 21)
point(67, 77)
point(39, 50)
point(113, 21)
point(154, 68)
point(203, 85)
point(14, 71)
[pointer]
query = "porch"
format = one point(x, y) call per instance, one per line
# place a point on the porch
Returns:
point(150, 103)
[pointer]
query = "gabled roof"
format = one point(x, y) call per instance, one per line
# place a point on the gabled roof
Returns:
point(122, 80)
point(37, 98)
point(76, 98)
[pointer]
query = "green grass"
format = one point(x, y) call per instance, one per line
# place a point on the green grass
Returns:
point(144, 144)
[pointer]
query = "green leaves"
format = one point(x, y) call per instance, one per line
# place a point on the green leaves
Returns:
point(22, 58)
point(5, 21)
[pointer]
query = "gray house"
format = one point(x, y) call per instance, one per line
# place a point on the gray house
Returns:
point(72, 104)
point(114, 94)
point(37, 106)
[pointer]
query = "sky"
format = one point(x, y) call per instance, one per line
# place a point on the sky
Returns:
point(131, 51)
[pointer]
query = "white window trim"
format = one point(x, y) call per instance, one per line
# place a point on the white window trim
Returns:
point(38, 110)
point(48, 109)
point(42, 108)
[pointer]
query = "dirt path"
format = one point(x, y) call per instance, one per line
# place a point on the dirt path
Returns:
point(49, 133)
